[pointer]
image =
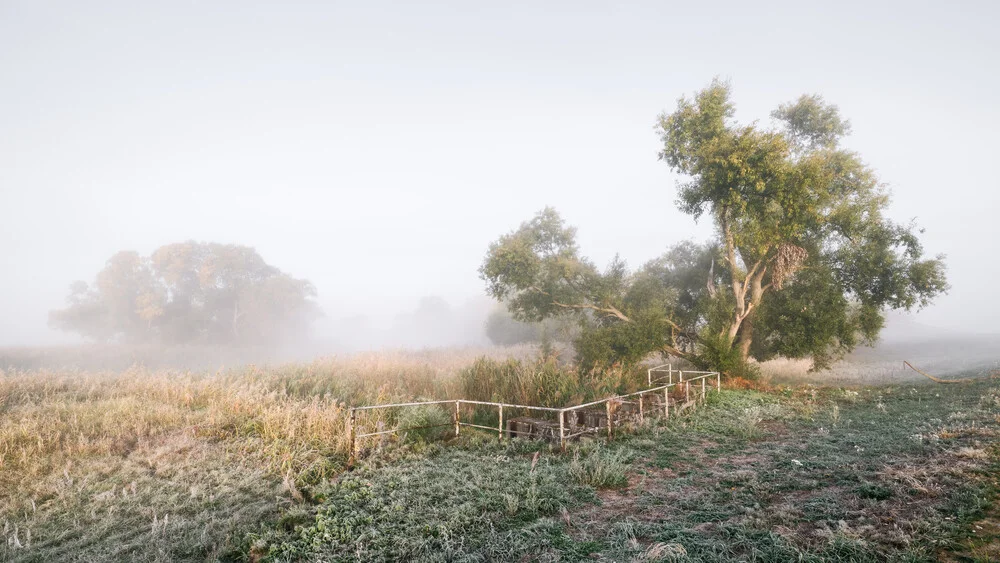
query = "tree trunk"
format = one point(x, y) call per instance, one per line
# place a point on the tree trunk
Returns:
point(746, 330)
point(744, 285)
point(746, 337)
point(734, 329)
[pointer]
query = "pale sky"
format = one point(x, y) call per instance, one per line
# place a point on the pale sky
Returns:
point(376, 148)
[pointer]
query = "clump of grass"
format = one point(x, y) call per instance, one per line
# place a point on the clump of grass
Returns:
point(748, 423)
point(873, 491)
point(600, 468)
point(662, 552)
point(543, 382)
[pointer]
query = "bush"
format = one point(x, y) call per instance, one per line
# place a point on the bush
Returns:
point(718, 355)
point(622, 344)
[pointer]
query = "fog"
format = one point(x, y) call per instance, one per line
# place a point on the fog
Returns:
point(376, 149)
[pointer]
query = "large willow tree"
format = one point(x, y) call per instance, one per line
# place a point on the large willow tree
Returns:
point(804, 265)
point(812, 261)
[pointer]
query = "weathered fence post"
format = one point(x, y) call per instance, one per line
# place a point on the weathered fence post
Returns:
point(350, 434)
point(718, 381)
point(703, 389)
point(687, 392)
point(607, 410)
point(458, 419)
point(666, 401)
point(640, 408)
point(500, 426)
point(562, 430)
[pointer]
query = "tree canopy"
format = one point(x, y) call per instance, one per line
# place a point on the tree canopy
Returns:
point(537, 271)
point(804, 264)
point(189, 292)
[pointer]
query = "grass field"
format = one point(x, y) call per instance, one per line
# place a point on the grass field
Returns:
point(170, 465)
point(249, 464)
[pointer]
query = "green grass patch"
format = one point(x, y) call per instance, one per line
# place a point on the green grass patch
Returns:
point(880, 474)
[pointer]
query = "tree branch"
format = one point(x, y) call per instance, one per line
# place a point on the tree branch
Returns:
point(676, 352)
point(738, 285)
point(750, 274)
point(607, 310)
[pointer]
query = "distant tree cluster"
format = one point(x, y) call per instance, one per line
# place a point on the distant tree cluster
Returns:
point(805, 262)
point(189, 293)
point(503, 329)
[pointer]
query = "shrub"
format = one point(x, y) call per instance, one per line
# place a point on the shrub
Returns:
point(718, 355)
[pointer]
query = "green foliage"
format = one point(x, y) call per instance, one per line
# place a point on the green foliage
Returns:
point(812, 317)
point(794, 208)
point(186, 293)
point(716, 353)
point(537, 272)
point(689, 270)
point(805, 264)
point(603, 347)
point(811, 123)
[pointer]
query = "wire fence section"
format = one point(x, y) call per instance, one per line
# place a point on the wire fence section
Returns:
point(604, 416)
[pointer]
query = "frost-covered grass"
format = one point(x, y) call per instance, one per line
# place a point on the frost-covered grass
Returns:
point(170, 465)
point(248, 464)
point(825, 475)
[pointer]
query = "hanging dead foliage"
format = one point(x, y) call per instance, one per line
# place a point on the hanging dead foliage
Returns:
point(789, 260)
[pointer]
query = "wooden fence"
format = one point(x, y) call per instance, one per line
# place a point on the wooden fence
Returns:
point(570, 422)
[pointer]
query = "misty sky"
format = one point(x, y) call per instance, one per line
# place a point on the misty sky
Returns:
point(377, 148)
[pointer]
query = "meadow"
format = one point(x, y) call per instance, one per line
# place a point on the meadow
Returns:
point(249, 464)
point(159, 464)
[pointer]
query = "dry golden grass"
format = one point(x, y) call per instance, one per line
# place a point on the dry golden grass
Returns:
point(871, 371)
point(142, 457)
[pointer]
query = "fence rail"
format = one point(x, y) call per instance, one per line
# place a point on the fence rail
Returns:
point(566, 431)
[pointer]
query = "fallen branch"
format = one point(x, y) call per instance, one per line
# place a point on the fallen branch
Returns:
point(936, 379)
